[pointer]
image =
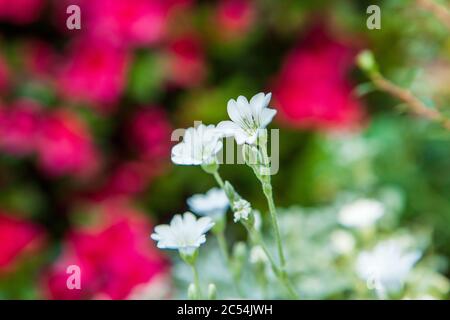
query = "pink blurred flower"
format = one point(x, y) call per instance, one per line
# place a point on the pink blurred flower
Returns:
point(65, 146)
point(115, 256)
point(94, 72)
point(150, 133)
point(19, 125)
point(21, 11)
point(131, 22)
point(126, 179)
point(313, 89)
point(17, 237)
point(187, 66)
point(234, 17)
point(39, 59)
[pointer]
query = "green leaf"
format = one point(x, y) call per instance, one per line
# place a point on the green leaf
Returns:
point(147, 76)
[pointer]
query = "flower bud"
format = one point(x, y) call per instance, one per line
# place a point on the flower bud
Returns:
point(192, 292)
point(258, 256)
point(366, 61)
point(239, 258)
point(229, 190)
point(252, 155)
point(219, 225)
point(242, 210)
point(240, 251)
point(262, 137)
point(212, 291)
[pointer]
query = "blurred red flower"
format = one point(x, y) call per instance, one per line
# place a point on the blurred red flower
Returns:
point(116, 258)
point(131, 22)
point(235, 17)
point(65, 146)
point(17, 237)
point(94, 72)
point(19, 125)
point(127, 179)
point(187, 67)
point(150, 133)
point(21, 11)
point(313, 89)
point(40, 59)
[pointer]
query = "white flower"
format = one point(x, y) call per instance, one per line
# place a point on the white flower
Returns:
point(257, 255)
point(213, 204)
point(361, 213)
point(247, 118)
point(242, 209)
point(199, 146)
point(386, 267)
point(184, 233)
point(342, 242)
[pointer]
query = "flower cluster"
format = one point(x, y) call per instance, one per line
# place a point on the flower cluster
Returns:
point(86, 137)
point(309, 94)
point(200, 147)
point(115, 247)
point(386, 266)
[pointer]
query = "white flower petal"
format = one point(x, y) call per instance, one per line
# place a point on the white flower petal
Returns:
point(227, 128)
point(177, 221)
point(257, 103)
point(184, 233)
point(267, 99)
point(189, 218)
point(214, 203)
point(387, 265)
point(205, 224)
point(266, 116)
point(361, 213)
point(248, 116)
point(241, 136)
point(199, 146)
point(233, 111)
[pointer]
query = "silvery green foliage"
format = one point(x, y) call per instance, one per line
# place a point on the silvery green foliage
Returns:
point(323, 244)
point(311, 257)
point(320, 264)
point(213, 269)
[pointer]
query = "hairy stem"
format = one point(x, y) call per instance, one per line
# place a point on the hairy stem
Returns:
point(218, 179)
point(281, 274)
point(438, 10)
point(264, 177)
point(415, 105)
point(278, 271)
point(196, 281)
point(267, 188)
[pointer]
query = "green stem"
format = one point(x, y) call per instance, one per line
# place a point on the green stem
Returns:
point(223, 245)
point(256, 236)
point(218, 179)
point(280, 273)
point(265, 180)
point(267, 188)
point(196, 281)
